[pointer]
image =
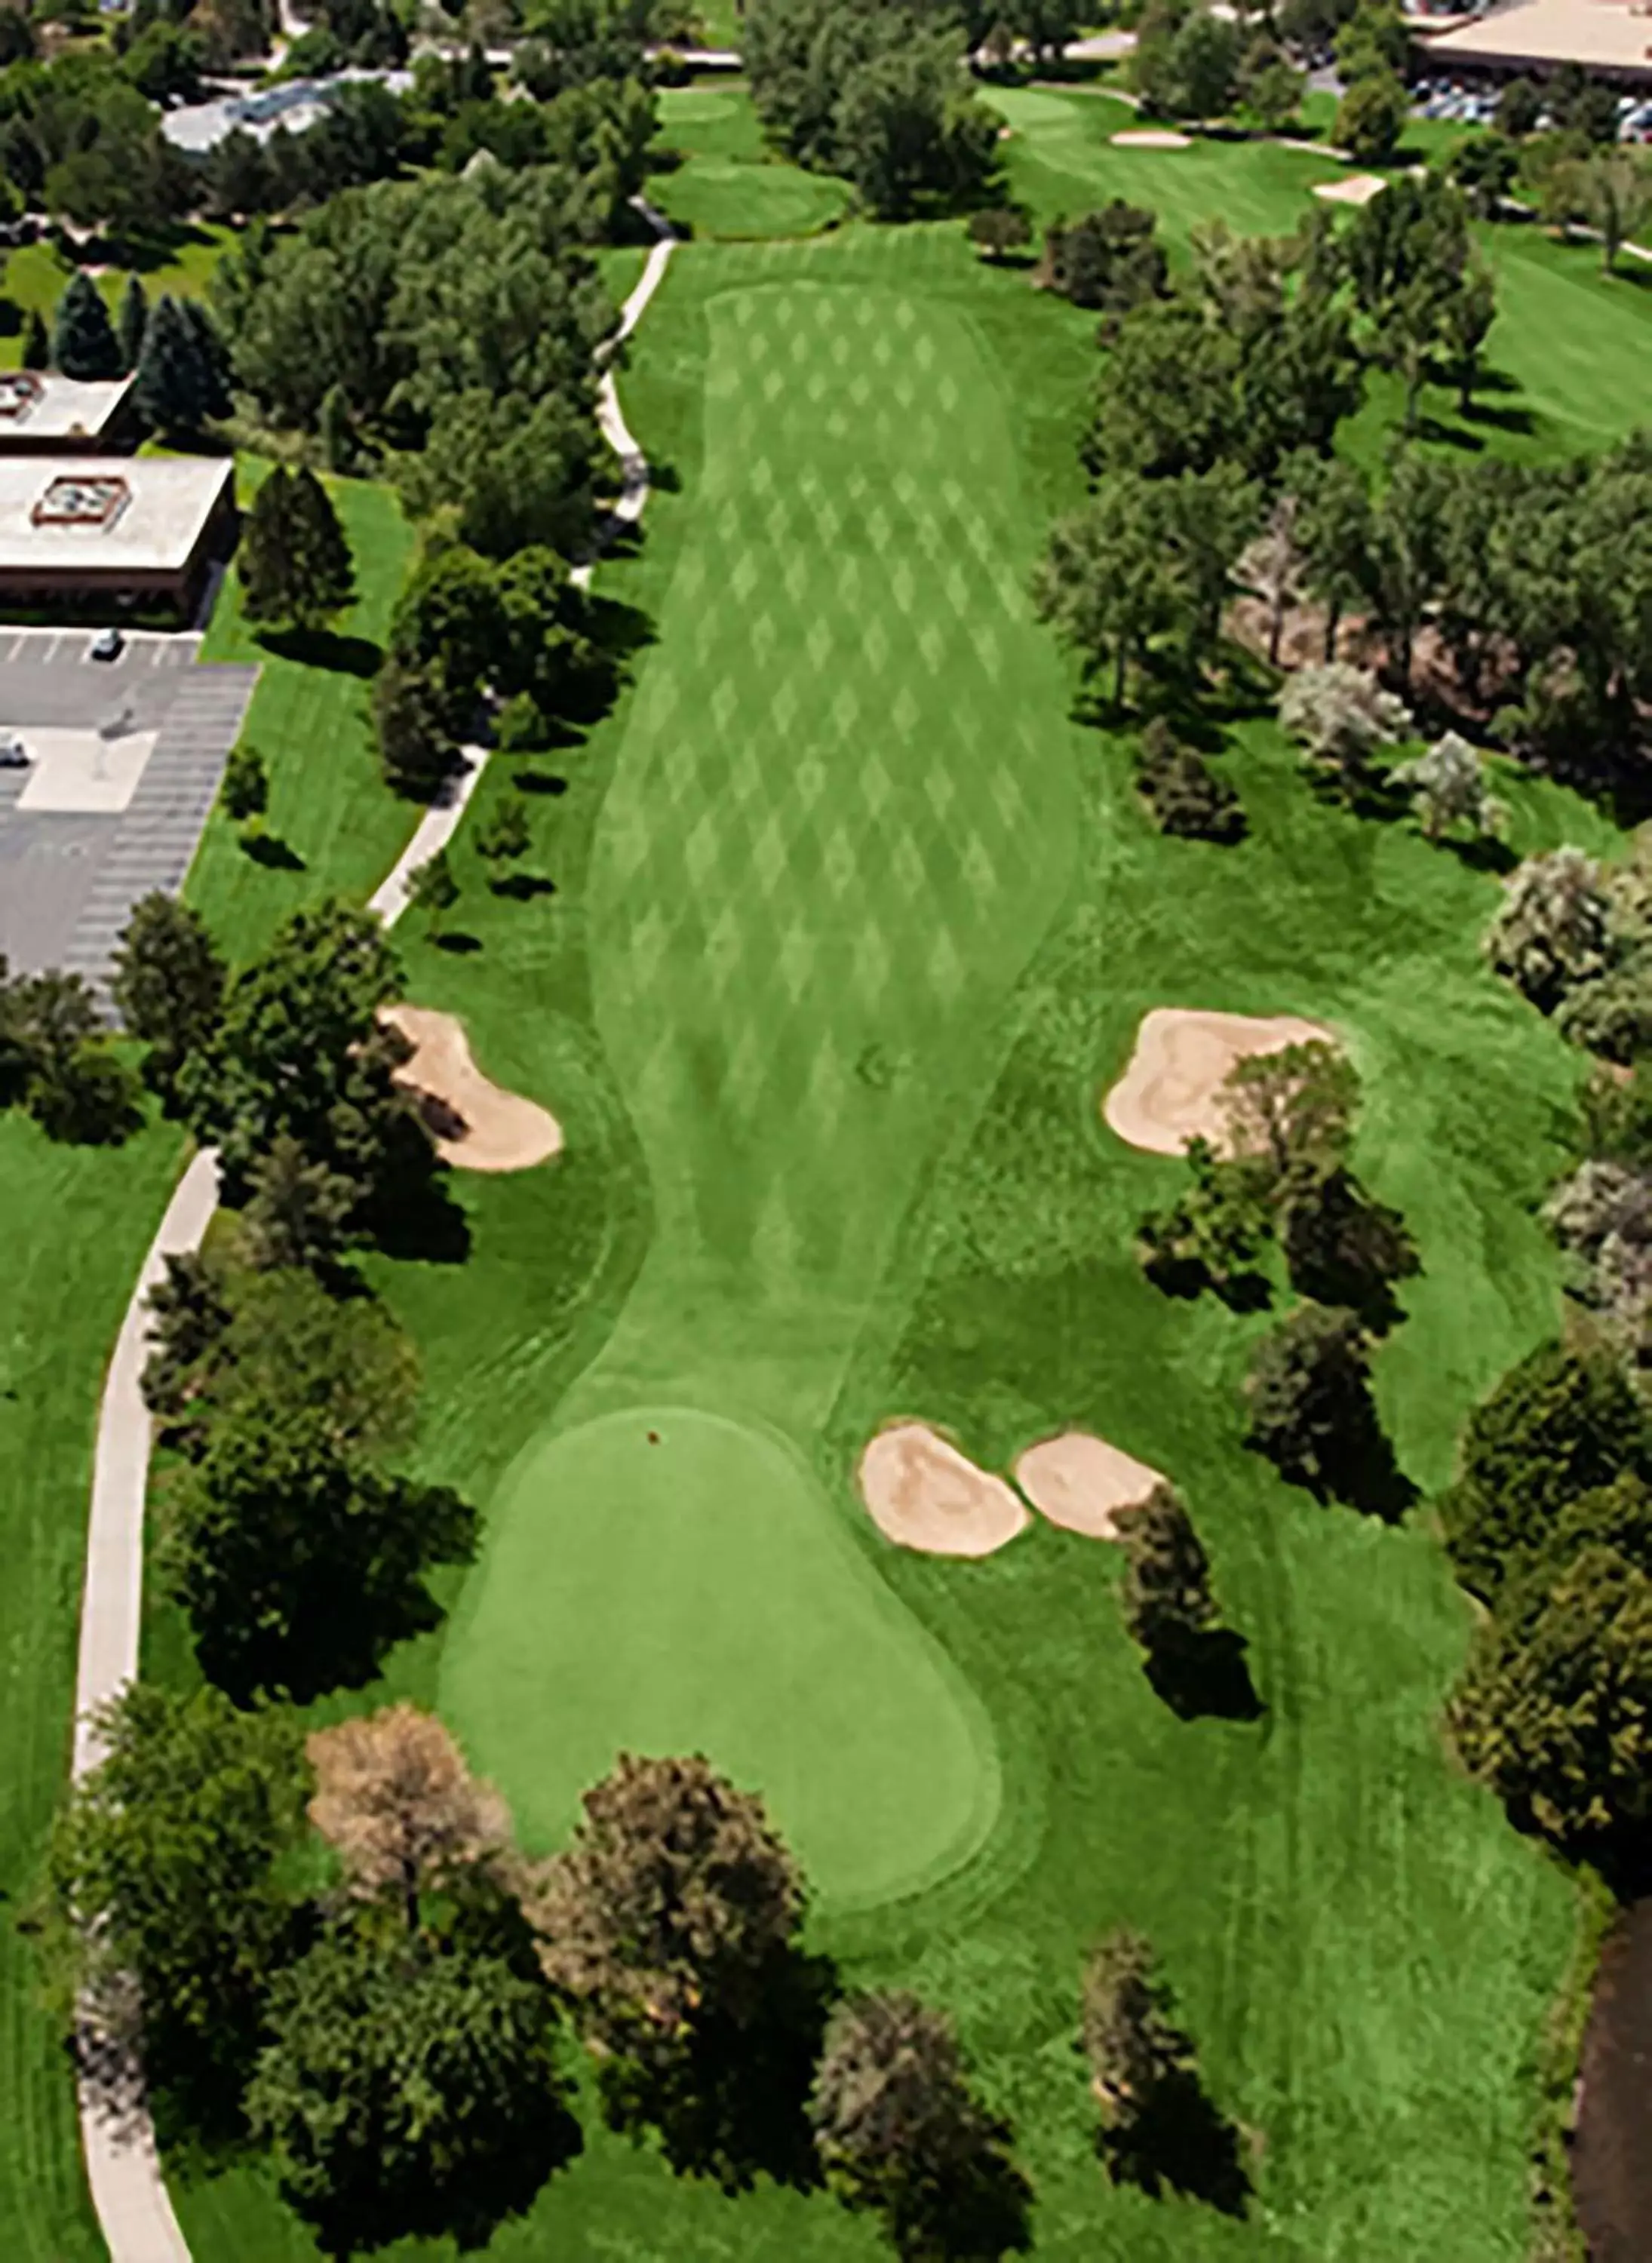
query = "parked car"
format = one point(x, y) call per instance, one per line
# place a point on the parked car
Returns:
point(14, 756)
point(108, 644)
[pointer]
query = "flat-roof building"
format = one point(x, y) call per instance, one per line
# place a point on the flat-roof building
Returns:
point(42, 413)
point(1612, 38)
point(112, 530)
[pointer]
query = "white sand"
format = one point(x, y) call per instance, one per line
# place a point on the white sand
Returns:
point(1151, 137)
point(923, 1493)
point(1080, 1482)
point(475, 1124)
point(1171, 1090)
point(1358, 189)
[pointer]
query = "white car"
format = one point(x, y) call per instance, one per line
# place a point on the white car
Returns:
point(14, 756)
point(109, 643)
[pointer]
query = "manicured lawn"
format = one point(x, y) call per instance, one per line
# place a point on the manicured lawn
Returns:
point(852, 925)
point(705, 1540)
point(730, 184)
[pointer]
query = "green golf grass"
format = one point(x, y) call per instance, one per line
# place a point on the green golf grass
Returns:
point(730, 185)
point(667, 1580)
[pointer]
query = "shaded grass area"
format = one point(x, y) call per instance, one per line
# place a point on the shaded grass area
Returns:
point(729, 185)
point(1364, 1951)
point(73, 1225)
point(1568, 348)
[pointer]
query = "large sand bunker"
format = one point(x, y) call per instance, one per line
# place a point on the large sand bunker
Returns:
point(1358, 189)
point(923, 1493)
point(1081, 1483)
point(1151, 137)
point(474, 1122)
point(1170, 1091)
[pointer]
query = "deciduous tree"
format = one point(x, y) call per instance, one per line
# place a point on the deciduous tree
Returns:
point(168, 982)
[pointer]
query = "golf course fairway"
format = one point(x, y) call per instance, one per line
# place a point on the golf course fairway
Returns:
point(667, 1580)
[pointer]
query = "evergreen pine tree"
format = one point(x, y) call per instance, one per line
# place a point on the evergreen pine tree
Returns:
point(214, 359)
point(83, 343)
point(327, 574)
point(268, 557)
point(173, 381)
point(133, 322)
point(37, 347)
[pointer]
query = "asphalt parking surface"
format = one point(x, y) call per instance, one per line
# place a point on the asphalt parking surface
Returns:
point(67, 882)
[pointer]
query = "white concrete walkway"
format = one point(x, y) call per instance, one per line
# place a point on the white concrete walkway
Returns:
point(128, 2190)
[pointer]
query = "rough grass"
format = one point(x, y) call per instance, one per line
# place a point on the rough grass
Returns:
point(853, 927)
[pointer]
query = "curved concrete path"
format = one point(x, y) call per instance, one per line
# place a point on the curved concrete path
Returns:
point(128, 2189)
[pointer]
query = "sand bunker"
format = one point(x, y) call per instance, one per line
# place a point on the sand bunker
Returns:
point(1081, 1483)
point(1171, 1090)
point(1151, 137)
point(474, 1124)
point(923, 1493)
point(1358, 189)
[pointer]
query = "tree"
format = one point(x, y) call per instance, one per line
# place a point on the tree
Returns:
point(83, 343)
point(189, 1312)
point(167, 1913)
point(245, 790)
point(168, 982)
point(297, 1212)
point(1293, 1107)
point(1340, 715)
point(1554, 1710)
point(910, 136)
point(1332, 528)
point(1371, 116)
point(413, 722)
point(671, 1926)
point(1519, 109)
point(410, 2089)
point(1448, 788)
point(1213, 1237)
point(1111, 259)
point(433, 887)
point(1135, 2048)
point(1000, 229)
point(177, 388)
point(1549, 935)
point(506, 835)
point(1271, 565)
point(1558, 1424)
point(1166, 1599)
point(300, 1565)
point(397, 1802)
point(902, 2136)
point(1185, 795)
point(1615, 189)
point(37, 349)
point(1309, 1395)
point(1484, 169)
point(1207, 518)
point(1342, 1247)
point(300, 1049)
point(295, 563)
point(130, 323)
point(76, 1090)
point(1105, 582)
point(1466, 321)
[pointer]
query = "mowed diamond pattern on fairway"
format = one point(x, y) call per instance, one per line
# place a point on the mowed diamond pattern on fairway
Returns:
point(834, 837)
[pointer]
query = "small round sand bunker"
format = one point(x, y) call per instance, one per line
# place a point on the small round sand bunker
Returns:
point(1358, 189)
point(474, 1122)
point(1081, 1483)
point(1170, 1091)
point(1151, 137)
point(923, 1493)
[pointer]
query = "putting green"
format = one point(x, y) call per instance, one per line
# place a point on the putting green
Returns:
point(696, 1593)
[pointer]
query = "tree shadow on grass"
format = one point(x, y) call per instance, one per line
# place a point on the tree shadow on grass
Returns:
point(458, 941)
point(325, 648)
point(1181, 2141)
point(1485, 855)
point(522, 887)
point(1207, 1677)
point(274, 854)
point(545, 782)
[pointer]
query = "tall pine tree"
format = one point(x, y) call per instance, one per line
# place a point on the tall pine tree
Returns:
point(326, 571)
point(173, 381)
point(83, 343)
point(133, 322)
point(269, 551)
point(295, 563)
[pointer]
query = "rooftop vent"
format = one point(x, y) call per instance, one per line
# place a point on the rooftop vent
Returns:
point(20, 390)
point(71, 502)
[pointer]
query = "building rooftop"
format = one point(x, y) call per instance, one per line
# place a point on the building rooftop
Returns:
point(132, 513)
point(1602, 35)
point(37, 404)
point(296, 104)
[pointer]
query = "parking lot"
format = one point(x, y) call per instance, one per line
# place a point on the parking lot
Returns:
point(126, 757)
